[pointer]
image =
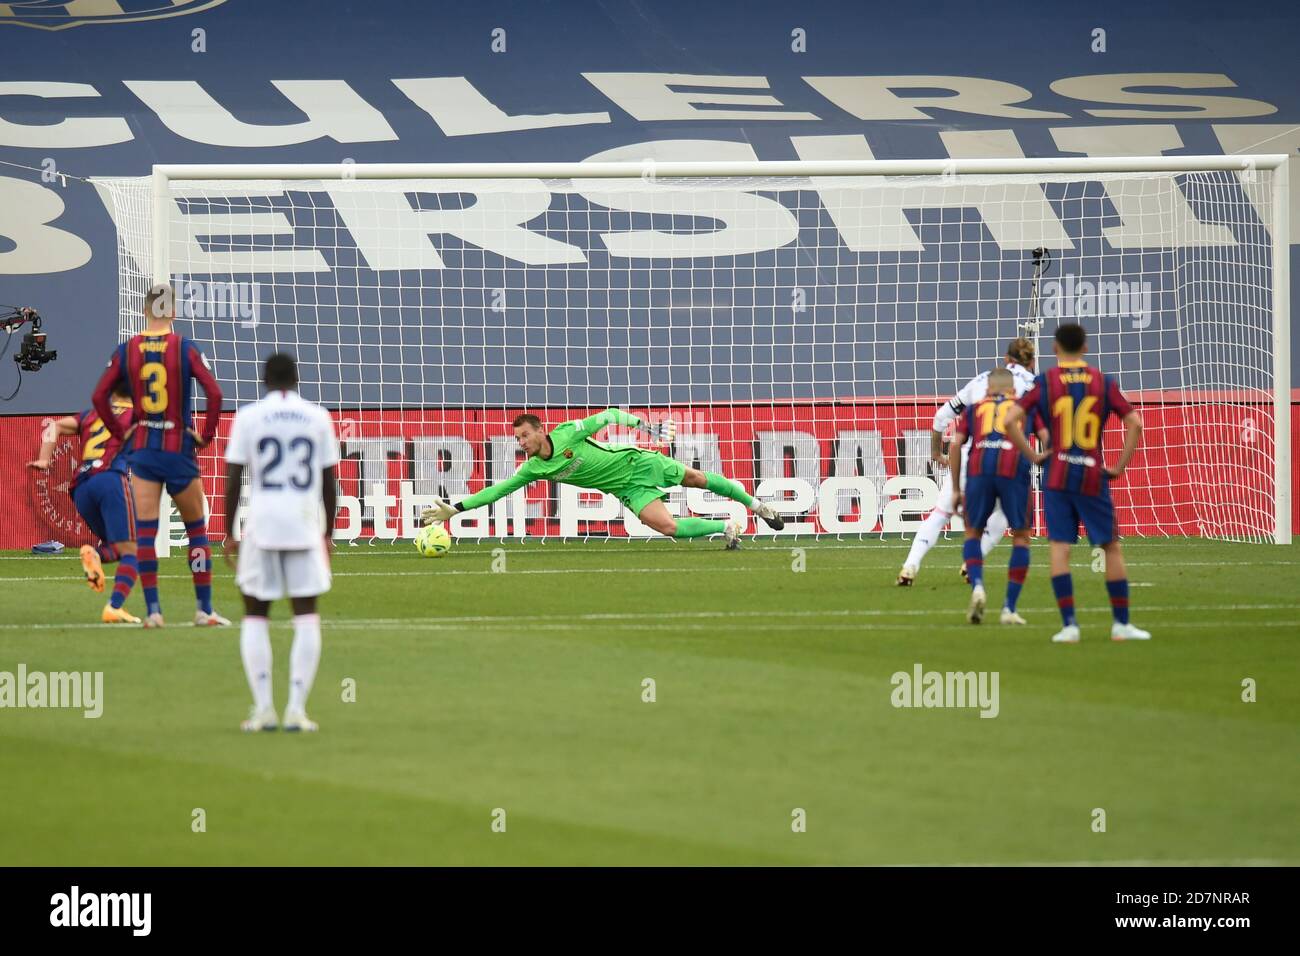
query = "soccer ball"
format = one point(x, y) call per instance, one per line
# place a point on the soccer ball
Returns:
point(433, 541)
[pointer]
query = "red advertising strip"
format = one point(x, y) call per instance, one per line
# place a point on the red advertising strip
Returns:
point(1204, 468)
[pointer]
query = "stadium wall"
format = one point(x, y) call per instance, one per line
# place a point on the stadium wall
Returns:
point(748, 442)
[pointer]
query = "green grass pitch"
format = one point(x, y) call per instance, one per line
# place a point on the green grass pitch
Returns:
point(521, 690)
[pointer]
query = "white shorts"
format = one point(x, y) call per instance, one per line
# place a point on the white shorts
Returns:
point(269, 575)
point(944, 502)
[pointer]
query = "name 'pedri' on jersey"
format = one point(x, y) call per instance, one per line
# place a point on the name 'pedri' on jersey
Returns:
point(159, 368)
point(285, 442)
point(1075, 400)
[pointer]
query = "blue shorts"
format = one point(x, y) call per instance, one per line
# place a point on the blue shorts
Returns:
point(1064, 510)
point(104, 501)
point(170, 468)
point(983, 494)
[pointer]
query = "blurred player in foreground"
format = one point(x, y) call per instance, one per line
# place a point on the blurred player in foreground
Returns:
point(1019, 361)
point(996, 475)
point(636, 476)
point(288, 446)
point(1075, 400)
point(158, 367)
point(102, 493)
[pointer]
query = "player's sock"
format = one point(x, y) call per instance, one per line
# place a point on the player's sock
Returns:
point(1118, 591)
point(200, 563)
point(1063, 588)
point(994, 531)
point(721, 485)
point(304, 655)
point(974, 558)
point(107, 553)
point(127, 571)
point(255, 649)
point(926, 536)
point(146, 531)
point(698, 527)
point(1016, 571)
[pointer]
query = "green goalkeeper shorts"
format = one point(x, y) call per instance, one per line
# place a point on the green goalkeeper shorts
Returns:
point(651, 474)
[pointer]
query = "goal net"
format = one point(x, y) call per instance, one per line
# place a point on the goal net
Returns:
point(801, 322)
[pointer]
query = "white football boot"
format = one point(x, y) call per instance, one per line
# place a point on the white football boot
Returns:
point(732, 533)
point(153, 620)
point(769, 515)
point(296, 721)
point(975, 610)
point(1067, 635)
point(1011, 617)
point(907, 576)
point(259, 720)
point(204, 619)
point(1127, 632)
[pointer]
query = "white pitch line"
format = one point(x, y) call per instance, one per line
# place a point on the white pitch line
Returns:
point(1181, 863)
point(419, 624)
point(680, 569)
point(650, 619)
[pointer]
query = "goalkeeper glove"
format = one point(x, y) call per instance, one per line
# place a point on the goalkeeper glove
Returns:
point(663, 433)
point(439, 511)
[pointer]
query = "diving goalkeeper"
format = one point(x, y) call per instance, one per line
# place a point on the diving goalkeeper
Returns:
point(635, 476)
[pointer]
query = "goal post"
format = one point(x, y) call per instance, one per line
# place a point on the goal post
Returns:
point(801, 320)
point(1281, 295)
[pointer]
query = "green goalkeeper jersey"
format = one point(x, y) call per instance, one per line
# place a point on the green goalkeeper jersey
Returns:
point(577, 459)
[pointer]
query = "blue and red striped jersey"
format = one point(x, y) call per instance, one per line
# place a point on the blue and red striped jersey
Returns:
point(1076, 400)
point(159, 367)
point(991, 451)
point(99, 449)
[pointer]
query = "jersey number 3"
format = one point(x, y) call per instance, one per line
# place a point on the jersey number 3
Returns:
point(154, 376)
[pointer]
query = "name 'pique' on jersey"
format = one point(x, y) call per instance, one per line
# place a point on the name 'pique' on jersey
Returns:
point(158, 368)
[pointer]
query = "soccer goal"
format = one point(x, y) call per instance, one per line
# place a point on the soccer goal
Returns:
point(800, 321)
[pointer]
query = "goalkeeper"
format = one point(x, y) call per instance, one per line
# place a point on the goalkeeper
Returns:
point(636, 476)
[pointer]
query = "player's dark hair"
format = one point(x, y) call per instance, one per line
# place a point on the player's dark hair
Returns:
point(281, 371)
point(122, 389)
point(1021, 351)
point(526, 419)
point(1071, 337)
point(158, 301)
